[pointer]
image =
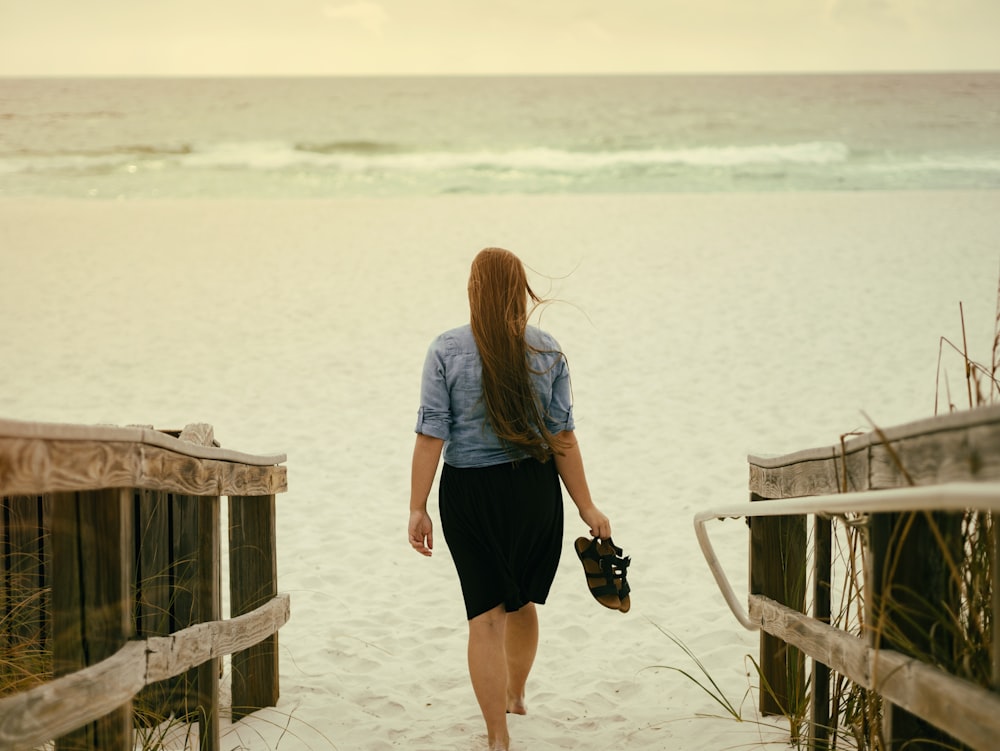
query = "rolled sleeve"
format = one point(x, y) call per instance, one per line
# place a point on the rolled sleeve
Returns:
point(559, 416)
point(434, 414)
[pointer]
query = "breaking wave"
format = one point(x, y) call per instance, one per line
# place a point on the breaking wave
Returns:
point(374, 155)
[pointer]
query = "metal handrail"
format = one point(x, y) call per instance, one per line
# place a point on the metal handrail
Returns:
point(955, 496)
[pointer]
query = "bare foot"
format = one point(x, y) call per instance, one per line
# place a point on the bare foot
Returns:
point(500, 744)
point(516, 706)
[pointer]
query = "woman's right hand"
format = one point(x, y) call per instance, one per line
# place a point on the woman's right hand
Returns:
point(421, 531)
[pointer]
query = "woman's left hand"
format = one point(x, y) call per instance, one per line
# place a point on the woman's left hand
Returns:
point(600, 525)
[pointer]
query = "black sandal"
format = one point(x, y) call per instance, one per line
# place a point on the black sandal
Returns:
point(606, 570)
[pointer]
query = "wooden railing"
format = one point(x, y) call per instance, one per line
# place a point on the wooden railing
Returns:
point(110, 599)
point(909, 490)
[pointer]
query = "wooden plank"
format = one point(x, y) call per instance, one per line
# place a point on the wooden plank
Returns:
point(167, 471)
point(195, 598)
point(5, 588)
point(936, 458)
point(253, 579)
point(815, 477)
point(137, 434)
point(56, 708)
point(91, 599)
point(955, 421)
point(845, 653)
point(957, 708)
point(153, 594)
point(911, 590)
point(183, 602)
point(822, 571)
point(818, 476)
point(67, 633)
point(209, 606)
point(46, 553)
point(106, 557)
point(995, 603)
point(36, 466)
point(778, 571)
point(932, 452)
point(968, 712)
point(152, 568)
point(170, 656)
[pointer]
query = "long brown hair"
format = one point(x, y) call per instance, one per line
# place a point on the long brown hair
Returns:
point(498, 300)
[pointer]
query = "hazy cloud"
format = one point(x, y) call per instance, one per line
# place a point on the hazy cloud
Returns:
point(861, 11)
point(369, 16)
point(232, 37)
point(590, 30)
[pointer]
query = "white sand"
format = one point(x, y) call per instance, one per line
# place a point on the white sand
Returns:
point(698, 329)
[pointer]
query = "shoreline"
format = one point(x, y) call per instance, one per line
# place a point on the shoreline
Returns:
point(604, 196)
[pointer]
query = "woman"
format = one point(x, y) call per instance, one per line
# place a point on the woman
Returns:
point(495, 398)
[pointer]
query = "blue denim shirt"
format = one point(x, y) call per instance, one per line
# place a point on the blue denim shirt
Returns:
point(451, 404)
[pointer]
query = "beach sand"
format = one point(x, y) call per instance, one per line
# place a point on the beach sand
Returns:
point(699, 328)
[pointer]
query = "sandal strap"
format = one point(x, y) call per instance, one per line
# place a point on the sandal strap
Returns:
point(616, 567)
point(625, 588)
point(615, 564)
point(604, 589)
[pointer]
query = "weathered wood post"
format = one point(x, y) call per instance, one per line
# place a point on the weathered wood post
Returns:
point(822, 562)
point(913, 597)
point(253, 580)
point(798, 475)
point(193, 597)
point(209, 607)
point(154, 575)
point(778, 571)
point(92, 598)
point(995, 602)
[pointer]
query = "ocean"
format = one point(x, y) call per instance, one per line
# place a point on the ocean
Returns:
point(109, 138)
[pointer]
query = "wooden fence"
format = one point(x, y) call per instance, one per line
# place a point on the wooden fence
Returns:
point(914, 493)
point(110, 598)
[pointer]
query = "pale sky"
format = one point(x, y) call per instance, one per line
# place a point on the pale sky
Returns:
point(323, 37)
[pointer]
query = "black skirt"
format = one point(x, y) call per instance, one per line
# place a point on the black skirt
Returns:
point(504, 527)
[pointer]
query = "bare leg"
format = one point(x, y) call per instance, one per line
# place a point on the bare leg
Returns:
point(521, 645)
point(488, 670)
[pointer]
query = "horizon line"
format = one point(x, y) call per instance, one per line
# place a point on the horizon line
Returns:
point(540, 74)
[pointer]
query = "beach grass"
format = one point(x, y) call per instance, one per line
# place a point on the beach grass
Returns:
point(706, 682)
point(962, 641)
point(25, 661)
